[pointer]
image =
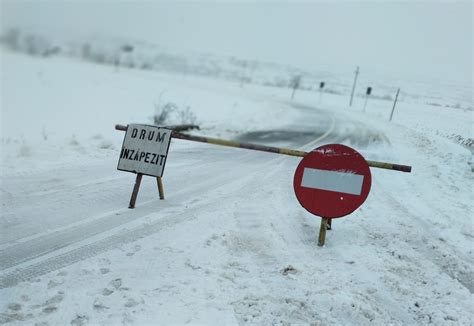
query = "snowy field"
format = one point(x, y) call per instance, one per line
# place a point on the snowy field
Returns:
point(230, 243)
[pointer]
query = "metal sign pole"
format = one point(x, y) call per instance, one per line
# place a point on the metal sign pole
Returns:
point(321, 86)
point(322, 232)
point(367, 94)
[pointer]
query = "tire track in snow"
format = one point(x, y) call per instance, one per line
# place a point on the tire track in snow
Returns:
point(37, 246)
point(104, 241)
point(88, 248)
point(38, 257)
point(438, 252)
point(46, 253)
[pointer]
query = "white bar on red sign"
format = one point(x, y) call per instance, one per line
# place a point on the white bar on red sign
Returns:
point(344, 182)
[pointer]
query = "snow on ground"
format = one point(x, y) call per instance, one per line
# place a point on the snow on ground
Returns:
point(230, 244)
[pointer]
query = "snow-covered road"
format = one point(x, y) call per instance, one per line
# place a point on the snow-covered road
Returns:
point(78, 205)
point(230, 243)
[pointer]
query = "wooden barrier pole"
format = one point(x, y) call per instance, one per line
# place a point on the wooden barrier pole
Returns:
point(284, 151)
point(322, 232)
point(133, 199)
point(230, 143)
point(160, 187)
point(269, 149)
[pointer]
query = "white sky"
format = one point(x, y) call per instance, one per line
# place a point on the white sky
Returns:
point(419, 38)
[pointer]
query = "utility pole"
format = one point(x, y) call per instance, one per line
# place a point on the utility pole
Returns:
point(354, 86)
point(394, 103)
point(296, 83)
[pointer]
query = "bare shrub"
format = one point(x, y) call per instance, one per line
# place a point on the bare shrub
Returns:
point(37, 45)
point(106, 144)
point(163, 113)
point(187, 116)
point(170, 113)
point(25, 150)
point(12, 38)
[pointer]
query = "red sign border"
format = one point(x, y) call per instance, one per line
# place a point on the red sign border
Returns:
point(365, 187)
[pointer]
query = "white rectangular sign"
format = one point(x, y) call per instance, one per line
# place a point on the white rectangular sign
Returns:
point(348, 183)
point(145, 149)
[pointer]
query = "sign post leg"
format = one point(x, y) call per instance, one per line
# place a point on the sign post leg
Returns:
point(160, 188)
point(322, 231)
point(133, 199)
point(366, 99)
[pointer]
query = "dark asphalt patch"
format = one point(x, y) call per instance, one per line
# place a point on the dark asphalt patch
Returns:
point(289, 137)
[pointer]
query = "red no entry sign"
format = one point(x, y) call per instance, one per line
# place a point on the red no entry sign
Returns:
point(332, 181)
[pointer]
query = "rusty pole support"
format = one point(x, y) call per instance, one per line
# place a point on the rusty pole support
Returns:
point(133, 199)
point(322, 232)
point(160, 188)
point(329, 226)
